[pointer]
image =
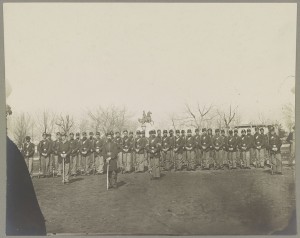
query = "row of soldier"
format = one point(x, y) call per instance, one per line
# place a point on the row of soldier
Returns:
point(179, 151)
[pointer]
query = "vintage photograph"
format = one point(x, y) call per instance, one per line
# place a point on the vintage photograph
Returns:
point(150, 118)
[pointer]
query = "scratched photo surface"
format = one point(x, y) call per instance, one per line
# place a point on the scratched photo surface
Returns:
point(155, 118)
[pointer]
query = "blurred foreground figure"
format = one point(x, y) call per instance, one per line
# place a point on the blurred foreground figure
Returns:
point(23, 213)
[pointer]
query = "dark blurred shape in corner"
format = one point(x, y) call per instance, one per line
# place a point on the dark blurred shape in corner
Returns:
point(23, 213)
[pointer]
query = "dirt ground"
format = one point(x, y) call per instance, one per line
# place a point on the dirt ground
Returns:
point(183, 203)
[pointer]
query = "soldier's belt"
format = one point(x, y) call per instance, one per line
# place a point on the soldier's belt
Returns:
point(44, 154)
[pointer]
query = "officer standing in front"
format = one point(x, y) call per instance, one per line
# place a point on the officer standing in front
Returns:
point(110, 153)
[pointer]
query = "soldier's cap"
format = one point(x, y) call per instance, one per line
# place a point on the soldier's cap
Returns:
point(177, 131)
point(27, 137)
point(84, 133)
point(91, 133)
point(248, 130)
point(48, 135)
point(230, 131)
point(203, 129)
point(150, 132)
point(261, 129)
point(77, 134)
point(159, 130)
point(165, 132)
point(256, 128)
point(222, 131)
point(97, 133)
point(71, 134)
point(143, 132)
point(236, 130)
point(58, 133)
point(182, 131)
point(63, 134)
point(117, 132)
point(189, 131)
point(243, 131)
point(125, 131)
point(112, 133)
point(209, 129)
point(217, 130)
point(197, 130)
point(153, 132)
point(130, 133)
point(138, 132)
point(272, 128)
point(171, 131)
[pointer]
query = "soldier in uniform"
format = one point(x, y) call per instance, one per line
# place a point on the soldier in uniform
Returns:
point(110, 153)
point(231, 145)
point(50, 169)
point(238, 153)
point(159, 134)
point(145, 141)
point(172, 143)
point(139, 147)
point(252, 151)
point(126, 152)
point(211, 149)
point(54, 154)
point(118, 141)
point(78, 155)
point(154, 148)
point(197, 139)
point(184, 161)
point(205, 144)
point(259, 145)
point(218, 143)
point(44, 149)
point(190, 150)
point(99, 161)
point(291, 140)
point(85, 149)
point(178, 150)
point(132, 153)
point(64, 151)
point(224, 148)
point(92, 150)
point(166, 150)
point(28, 149)
point(73, 154)
point(245, 145)
point(274, 147)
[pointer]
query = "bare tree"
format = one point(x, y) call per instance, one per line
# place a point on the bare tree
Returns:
point(111, 119)
point(21, 128)
point(46, 122)
point(228, 116)
point(83, 125)
point(199, 117)
point(289, 115)
point(65, 123)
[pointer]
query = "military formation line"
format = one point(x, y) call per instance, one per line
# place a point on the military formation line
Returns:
point(85, 155)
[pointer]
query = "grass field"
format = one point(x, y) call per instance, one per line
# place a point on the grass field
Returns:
point(183, 203)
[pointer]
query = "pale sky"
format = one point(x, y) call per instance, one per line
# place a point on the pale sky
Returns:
point(67, 57)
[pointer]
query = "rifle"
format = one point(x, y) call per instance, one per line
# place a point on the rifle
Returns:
point(107, 172)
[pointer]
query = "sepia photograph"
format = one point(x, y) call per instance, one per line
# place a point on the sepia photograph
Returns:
point(150, 118)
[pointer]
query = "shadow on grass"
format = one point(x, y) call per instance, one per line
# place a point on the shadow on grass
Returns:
point(75, 180)
point(121, 183)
